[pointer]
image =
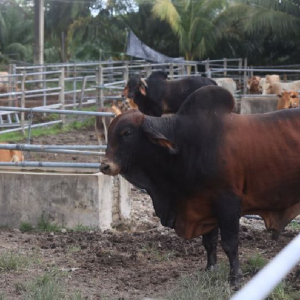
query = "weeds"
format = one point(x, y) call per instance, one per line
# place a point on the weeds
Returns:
point(294, 225)
point(208, 285)
point(158, 254)
point(83, 228)
point(10, 261)
point(25, 227)
point(254, 264)
point(45, 225)
point(49, 287)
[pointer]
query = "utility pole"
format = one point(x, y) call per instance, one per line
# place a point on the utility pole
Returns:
point(39, 31)
point(39, 35)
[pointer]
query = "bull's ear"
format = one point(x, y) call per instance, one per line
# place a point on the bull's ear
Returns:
point(143, 86)
point(157, 138)
point(125, 91)
point(279, 95)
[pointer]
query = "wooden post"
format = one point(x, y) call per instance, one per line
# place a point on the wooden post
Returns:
point(62, 93)
point(23, 103)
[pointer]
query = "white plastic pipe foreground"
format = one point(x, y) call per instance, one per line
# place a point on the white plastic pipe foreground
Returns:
point(261, 285)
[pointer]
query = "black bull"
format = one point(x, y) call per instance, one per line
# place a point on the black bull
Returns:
point(156, 95)
point(205, 166)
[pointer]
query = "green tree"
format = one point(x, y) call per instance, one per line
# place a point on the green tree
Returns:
point(16, 32)
point(59, 16)
point(195, 23)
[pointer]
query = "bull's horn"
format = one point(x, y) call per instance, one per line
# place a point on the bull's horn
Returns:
point(144, 82)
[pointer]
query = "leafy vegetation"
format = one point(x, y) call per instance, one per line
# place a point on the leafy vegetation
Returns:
point(266, 31)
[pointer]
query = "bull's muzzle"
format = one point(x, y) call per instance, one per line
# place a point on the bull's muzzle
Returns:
point(109, 168)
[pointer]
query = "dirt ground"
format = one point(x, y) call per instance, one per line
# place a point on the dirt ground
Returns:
point(142, 259)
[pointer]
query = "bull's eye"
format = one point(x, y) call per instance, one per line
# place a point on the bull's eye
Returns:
point(126, 133)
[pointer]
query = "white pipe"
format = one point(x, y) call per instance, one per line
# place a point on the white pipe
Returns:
point(261, 285)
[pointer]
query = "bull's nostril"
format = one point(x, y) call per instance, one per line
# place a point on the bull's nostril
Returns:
point(104, 167)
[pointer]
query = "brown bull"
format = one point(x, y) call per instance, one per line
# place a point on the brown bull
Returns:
point(205, 167)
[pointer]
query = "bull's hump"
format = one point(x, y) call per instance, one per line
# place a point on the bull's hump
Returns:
point(211, 97)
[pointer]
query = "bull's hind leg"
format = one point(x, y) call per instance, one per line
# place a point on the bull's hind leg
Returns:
point(210, 241)
point(227, 209)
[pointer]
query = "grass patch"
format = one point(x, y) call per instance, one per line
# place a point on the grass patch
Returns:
point(74, 249)
point(49, 287)
point(210, 285)
point(25, 227)
point(51, 130)
point(10, 261)
point(45, 225)
point(158, 254)
point(254, 264)
point(283, 292)
point(294, 225)
point(83, 228)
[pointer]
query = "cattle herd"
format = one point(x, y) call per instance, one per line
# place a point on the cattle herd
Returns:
point(205, 166)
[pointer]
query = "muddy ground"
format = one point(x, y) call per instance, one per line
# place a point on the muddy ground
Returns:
point(141, 259)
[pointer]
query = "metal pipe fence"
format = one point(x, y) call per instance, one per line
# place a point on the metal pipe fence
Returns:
point(34, 164)
point(41, 148)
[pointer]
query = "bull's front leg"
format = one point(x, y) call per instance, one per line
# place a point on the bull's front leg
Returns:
point(227, 208)
point(210, 241)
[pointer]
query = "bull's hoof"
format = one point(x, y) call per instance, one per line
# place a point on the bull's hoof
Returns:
point(275, 235)
point(235, 281)
point(211, 267)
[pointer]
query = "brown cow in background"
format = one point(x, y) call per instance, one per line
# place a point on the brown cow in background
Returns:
point(11, 155)
point(288, 99)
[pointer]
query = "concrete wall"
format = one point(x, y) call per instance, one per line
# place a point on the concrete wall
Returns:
point(258, 105)
point(62, 198)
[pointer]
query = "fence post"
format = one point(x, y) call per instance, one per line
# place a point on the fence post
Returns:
point(225, 66)
point(23, 103)
point(245, 77)
point(12, 84)
point(148, 70)
point(196, 69)
point(126, 72)
point(171, 71)
point(101, 83)
point(207, 69)
point(74, 86)
point(82, 92)
point(240, 67)
point(62, 93)
point(44, 88)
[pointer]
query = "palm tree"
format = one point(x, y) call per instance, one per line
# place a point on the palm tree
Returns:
point(196, 23)
point(281, 17)
point(16, 32)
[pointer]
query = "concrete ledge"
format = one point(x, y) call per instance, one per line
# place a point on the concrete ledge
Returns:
point(63, 198)
point(258, 105)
